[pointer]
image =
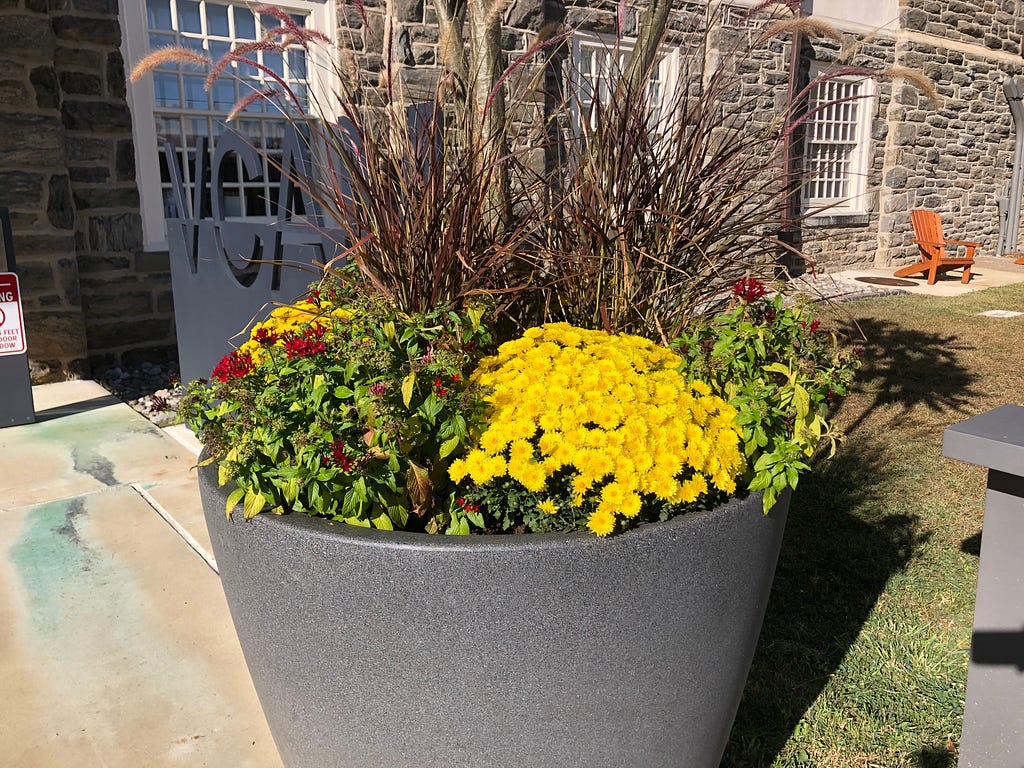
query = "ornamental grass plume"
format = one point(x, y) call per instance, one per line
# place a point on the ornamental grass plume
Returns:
point(589, 426)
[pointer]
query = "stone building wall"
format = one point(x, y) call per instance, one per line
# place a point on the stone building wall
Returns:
point(954, 157)
point(67, 172)
point(839, 242)
point(35, 185)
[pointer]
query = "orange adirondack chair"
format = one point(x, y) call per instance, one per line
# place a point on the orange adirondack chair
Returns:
point(932, 246)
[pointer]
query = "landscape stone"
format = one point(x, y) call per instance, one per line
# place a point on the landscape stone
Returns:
point(81, 29)
point(44, 81)
point(59, 209)
point(96, 116)
point(80, 84)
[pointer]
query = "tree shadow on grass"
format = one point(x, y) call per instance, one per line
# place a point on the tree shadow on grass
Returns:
point(835, 562)
point(906, 368)
point(934, 758)
point(842, 543)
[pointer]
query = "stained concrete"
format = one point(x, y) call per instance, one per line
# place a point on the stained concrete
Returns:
point(117, 648)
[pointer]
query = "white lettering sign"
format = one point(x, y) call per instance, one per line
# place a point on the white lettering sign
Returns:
point(12, 324)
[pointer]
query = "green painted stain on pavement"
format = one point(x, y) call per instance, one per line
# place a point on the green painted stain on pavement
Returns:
point(51, 560)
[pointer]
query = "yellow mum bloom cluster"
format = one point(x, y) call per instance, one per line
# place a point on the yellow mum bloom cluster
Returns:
point(289, 319)
point(612, 410)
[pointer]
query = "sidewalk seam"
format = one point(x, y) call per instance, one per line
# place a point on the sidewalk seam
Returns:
point(187, 537)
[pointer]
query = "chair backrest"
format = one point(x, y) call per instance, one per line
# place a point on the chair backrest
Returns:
point(928, 228)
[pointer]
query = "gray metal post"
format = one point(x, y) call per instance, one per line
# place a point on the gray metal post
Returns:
point(993, 732)
point(16, 406)
point(1008, 234)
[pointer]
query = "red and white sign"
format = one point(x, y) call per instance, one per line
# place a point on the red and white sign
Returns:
point(12, 323)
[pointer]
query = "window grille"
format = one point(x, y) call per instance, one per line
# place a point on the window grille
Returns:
point(599, 59)
point(836, 144)
point(184, 111)
point(170, 103)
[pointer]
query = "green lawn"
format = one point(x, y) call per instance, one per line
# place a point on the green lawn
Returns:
point(862, 661)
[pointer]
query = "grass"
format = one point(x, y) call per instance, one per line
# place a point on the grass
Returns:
point(862, 661)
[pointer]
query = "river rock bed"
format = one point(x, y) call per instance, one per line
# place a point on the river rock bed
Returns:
point(152, 389)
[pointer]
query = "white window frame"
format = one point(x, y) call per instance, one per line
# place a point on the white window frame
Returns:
point(854, 201)
point(592, 44)
point(142, 102)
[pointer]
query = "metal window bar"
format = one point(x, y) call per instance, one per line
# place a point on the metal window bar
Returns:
point(184, 111)
point(831, 140)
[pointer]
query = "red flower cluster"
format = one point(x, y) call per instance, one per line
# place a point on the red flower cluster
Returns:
point(338, 457)
point(233, 366)
point(306, 345)
point(439, 388)
point(466, 506)
point(750, 289)
point(265, 336)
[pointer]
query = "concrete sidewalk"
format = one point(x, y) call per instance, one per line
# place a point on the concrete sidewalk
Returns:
point(988, 272)
point(116, 645)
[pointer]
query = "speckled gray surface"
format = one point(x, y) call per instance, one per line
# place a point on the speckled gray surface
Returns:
point(373, 650)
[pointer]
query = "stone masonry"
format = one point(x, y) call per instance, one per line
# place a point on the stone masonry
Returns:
point(67, 172)
point(954, 157)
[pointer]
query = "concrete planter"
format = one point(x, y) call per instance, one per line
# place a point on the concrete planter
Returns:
point(397, 650)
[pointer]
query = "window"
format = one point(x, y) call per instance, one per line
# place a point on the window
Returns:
point(598, 58)
point(836, 145)
point(171, 103)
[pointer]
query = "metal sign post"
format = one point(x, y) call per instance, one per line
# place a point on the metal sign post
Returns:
point(16, 406)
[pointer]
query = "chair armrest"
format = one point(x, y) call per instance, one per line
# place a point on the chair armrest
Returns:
point(964, 243)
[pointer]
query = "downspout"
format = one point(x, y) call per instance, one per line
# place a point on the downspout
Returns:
point(1009, 228)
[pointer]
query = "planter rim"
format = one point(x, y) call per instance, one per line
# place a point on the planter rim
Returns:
point(408, 540)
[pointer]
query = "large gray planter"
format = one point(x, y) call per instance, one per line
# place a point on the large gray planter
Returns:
point(394, 650)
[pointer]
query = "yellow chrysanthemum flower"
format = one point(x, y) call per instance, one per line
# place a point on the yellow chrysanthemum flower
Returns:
point(548, 506)
point(601, 522)
point(614, 412)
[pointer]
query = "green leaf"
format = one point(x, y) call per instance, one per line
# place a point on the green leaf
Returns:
point(383, 522)
point(448, 446)
point(399, 515)
point(233, 498)
point(802, 401)
point(431, 407)
point(407, 384)
point(458, 527)
point(253, 504)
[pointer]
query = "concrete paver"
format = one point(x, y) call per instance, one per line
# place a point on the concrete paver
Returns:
point(117, 647)
point(988, 272)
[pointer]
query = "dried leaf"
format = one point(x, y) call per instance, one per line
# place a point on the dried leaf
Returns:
point(420, 489)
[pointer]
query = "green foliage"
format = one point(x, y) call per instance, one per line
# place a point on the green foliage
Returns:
point(340, 406)
point(782, 371)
